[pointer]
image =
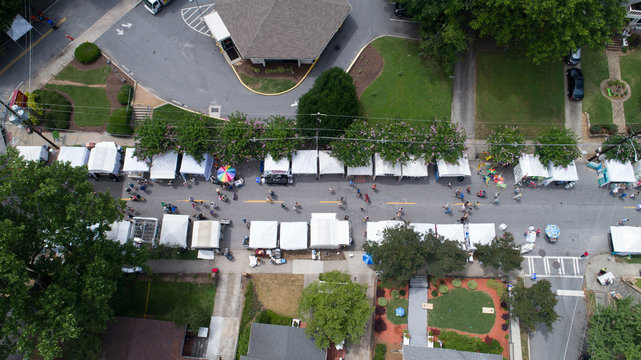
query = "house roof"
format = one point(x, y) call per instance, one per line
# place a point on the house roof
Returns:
point(282, 29)
point(420, 353)
point(132, 339)
point(268, 342)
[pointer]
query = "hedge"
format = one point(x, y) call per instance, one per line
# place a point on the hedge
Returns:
point(125, 94)
point(87, 52)
point(119, 122)
point(379, 352)
point(270, 317)
point(603, 129)
point(57, 108)
point(456, 283)
point(460, 342)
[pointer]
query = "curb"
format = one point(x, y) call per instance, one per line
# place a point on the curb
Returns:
point(371, 41)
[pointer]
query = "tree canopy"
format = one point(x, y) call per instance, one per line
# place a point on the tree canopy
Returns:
point(335, 310)
point(443, 256)
point(8, 11)
point(354, 148)
point(505, 145)
point(153, 136)
point(240, 140)
point(282, 138)
point(57, 270)
point(614, 331)
point(501, 254)
point(535, 304)
point(628, 151)
point(194, 136)
point(558, 145)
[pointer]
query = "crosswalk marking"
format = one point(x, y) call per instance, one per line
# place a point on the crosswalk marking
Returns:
point(578, 293)
point(544, 267)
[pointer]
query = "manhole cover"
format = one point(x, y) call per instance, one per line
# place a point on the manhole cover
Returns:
point(556, 265)
point(542, 252)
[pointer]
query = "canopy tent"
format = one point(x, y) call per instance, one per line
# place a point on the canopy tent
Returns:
point(481, 234)
point(375, 229)
point(454, 232)
point(329, 165)
point(189, 166)
point(613, 171)
point(121, 231)
point(365, 170)
point(529, 166)
point(626, 240)
point(327, 232)
point(75, 155)
point(206, 235)
point(423, 228)
point(174, 230)
point(559, 173)
point(133, 166)
point(460, 169)
point(304, 162)
point(263, 234)
point(104, 158)
point(415, 168)
point(293, 235)
point(18, 28)
point(34, 153)
point(164, 166)
point(216, 26)
point(386, 168)
point(276, 167)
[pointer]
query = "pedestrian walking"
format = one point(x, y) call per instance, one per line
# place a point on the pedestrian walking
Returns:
point(366, 198)
point(362, 209)
point(623, 221)
point(449, 184)
point(244, 221)
point(143, 188)
point(351, 182)
point(462, 196)
point(358, 192)
point(517, 197)
point(584, 254)
point(212, 213)
point(184, 183)
point(191, 198)
point(212, 204)
point(448, 210)
point(374, 187)
point(268, 199)
point(193, 205)
point(476, 205)
point(469, 190)
point(271, 192)
point(463, 219)
point(366, 219)
point(331, 190)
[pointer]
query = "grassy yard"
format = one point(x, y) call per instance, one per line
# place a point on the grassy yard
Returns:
point(595, 69)
point(271, 288)
point(630, 65)
point(90, 105)
point(173, 113)
point(460, 309)
point(407, 88)
point(89, 77)
point(266, 85)
point(391, 311)
point(511, 90)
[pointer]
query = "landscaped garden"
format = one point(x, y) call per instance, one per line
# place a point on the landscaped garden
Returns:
point(272, 78)
point(460, 309)
point(389, 329)
point(594, 65)
point(630, 65)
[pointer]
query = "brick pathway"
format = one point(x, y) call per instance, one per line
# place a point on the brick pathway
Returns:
point(614, 68)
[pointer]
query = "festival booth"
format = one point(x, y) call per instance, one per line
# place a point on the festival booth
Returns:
point(327, 232)
point(133, 167)
point(206, 235)
point(562, 174)
point(263, 235)
point(480, 234)
point(304, 162)
point(77, 156)
point(415, 168)
point(366, 170)
point(272, 166)
point(459, 170)
point(615, 173)
point(34, 153)
point(329, 165)
point(104, 159)
point(423, 228)
point(293, 235)
point(120, 231)
point(625, 240)
point(375, 229)
point(164, 166)
point(386, 168)
point(189, 166)
point(173, 232)
point(454, 232)
point(530, 168)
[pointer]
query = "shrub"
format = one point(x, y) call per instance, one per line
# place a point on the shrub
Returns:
point(604, 129)
point(472, 285)
point(334, 276)
point(507, 336)
point(456, 341)
point(56, 107)
point(125, 94)
point(434, 293)
point(401, 292)
point(379, 351)
point(379, 325)
point(270, 317)
point(380, 292)
point(395, 294)
point(119, 122)
point(504, 327)
point(488, 339)
point(443, 289)
point(441, 281)
point(379, 310)
point(456, 283)
point(382, 301)
point(505, 316)
point(503, 304)
point(436, 332)
point(87, 52)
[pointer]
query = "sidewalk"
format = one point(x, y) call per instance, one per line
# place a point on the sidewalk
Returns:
point(602, 292)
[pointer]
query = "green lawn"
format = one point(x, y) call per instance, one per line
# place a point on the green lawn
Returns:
point(460, 309)
point(638, 283)
point(88, 77)
point(595, 69)
point(90, 105)
point(267, 85)
point(511, 90)
point(630, 65)
point(172, 113)
point(391, 311)
point(407, 88)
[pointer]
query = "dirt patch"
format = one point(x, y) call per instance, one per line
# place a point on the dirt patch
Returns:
point(280, 293)
point(393, 352)
point(191, 278)
point(291, 72)
point(366, 69)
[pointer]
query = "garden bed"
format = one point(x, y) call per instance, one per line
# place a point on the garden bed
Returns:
point(272, 78)
point(392, 334)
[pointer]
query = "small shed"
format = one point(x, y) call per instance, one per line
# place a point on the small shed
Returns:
point(121, 231)
point(34, 153)
point(263, 235)
point(272, 166)
point(104, 159)
point(375, 229)
point(206, 235)
point(293, 235)
point(386, 168)
point(304, 162)
point(164, 166)
point(481, 234)
point(560, 173)
point(327, 232)
point(134, 167)
point(189, 166)
point(454, 232)
point(460, 169)
point(530, 166)
point(76, 155)
point(626, 240)
point(327, 164)
point(365, 170)
point(415, 168)
point(173, 232)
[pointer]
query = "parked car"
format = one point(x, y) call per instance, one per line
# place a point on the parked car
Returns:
point(277, 179)
point(400, 9)
point(575, 84)
point(573, 58)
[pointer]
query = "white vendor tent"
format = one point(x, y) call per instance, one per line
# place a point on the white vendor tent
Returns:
point(18, 28)
point(460, 169)
point(626, 240)
point(559, 173)
point(276, 167)
point(329, 165)
point(375, 229)
point(618, 172)
point(415, 168)
point(327, 232)
point(386, 168)
point(104, 159)
point(121, 231)
point(293, 235)
point(164, 166)
point(481, 234)
point(189, 166)
point(304, 162)
point(174, 230)
point(75, 155)
point(216, 26)
point(263, 234)
point(454, 232)
point(34, 153)
point(205, 235)
point(366, 170)
point(423, 228)
point(530, 166)
point(133, 166)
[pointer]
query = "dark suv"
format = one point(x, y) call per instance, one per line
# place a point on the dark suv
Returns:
point(277, 179)
point(575, 84)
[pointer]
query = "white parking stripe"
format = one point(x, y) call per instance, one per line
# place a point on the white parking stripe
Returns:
point(192, 17)
point(570, 293)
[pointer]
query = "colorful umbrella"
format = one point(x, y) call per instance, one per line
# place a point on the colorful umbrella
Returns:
point(226, 174)
point(367, 259)
point(400, 312)
point(552, 231)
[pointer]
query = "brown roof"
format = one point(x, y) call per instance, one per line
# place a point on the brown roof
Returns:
point(282, 29)
point(141, 339)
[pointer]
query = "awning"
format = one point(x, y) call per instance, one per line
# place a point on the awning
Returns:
point(454, 232)
point(619, 172)
point(189, 166)
point(75, 155)
point(205, 235)
point(304, 162)
point(461, 168)
point(293, 235)
point(529, 166)
point(19, 27)
point(481, 234)
point(329, 165)
point(559, 173)
point(415, 168)
point(132, 164)
point(327, 232)
point(276, 167)
point(423, 228)
point(386, 168)
point(626, 240)
point(121, 231)
point(174, 230)
point(216, 26)
point(104, 159)
point(164, 166)
point(34, 153)
point(366, 170)
point(375, 229)
point(263, 234)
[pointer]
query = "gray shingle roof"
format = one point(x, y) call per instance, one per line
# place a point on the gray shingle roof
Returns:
point(277, 342)
point(421, 353)
point(282, 29)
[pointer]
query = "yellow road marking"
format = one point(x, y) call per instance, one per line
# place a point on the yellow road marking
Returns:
point(195, 200)
point(328, 202)
point(400, 203)
point(629, 207)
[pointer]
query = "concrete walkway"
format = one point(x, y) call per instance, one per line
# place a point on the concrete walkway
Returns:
point(464, 92)
point(416, 315)
point(225, 322)
point(614, 69)
point(602, 292)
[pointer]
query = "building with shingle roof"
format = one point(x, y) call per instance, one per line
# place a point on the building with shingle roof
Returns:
point(270, 342)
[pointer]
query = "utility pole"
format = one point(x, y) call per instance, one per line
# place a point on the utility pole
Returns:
point(318, 120)
point(29, 125)
point(614, 146)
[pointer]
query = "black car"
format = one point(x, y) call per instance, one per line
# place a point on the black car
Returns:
point(400, 9)
point(575, 84)
point(276, 179)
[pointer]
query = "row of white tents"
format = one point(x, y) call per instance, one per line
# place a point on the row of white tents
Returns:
point(530, 166)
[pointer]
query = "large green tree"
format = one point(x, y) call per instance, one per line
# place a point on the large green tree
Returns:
point(240, 140)
point(501, 254)
point(334, 97)
point(615, 331)
point(8, 11)
point(558, 145)
point(399, 255)
point(58, 273)
point(335, 310)
point(194, 135)
point(355, 147)
point(442, 140)
point(153, 136)
point(505, 145)
point(535, 304)
point(629, 150)
point(443, 256)
point(281, 137)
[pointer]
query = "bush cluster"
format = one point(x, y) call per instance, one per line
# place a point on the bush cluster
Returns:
point(434, 293)
point(125, 94)
point(379, 325)
point(382, 301)
point(119, 122)
point(456, 341)
point(57, 108)
point(270, 317)
point(456, 283)
point(603, 129)
point(87, 52)
point(379, 310)
point(401, 293)
point(251, 308)
point(443, 289)
point(379, 351)
point(395, 294)
point(472, 285)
